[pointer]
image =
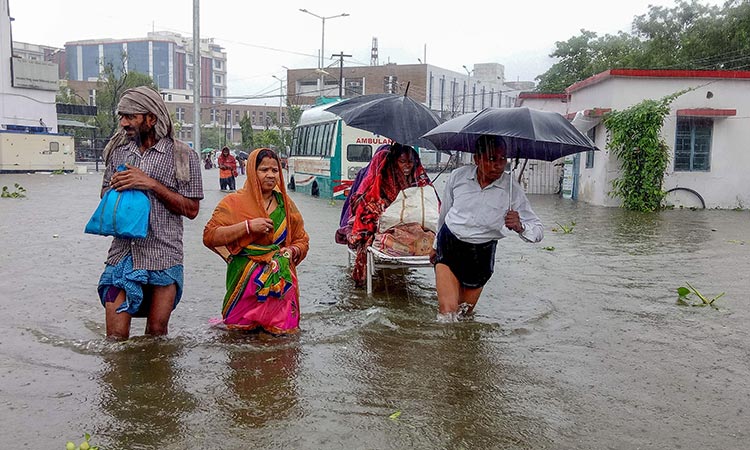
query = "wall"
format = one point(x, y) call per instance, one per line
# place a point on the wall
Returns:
point(725, 185)
point(20, 106)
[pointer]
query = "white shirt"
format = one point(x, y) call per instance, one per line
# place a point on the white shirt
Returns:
point(477, 215)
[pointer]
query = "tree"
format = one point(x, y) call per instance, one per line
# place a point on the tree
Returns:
point(66, 95)
point(293, 113)
point(688, 36)
point(211, 137)
point(667, 33)
point(112, 83)
point(246, 128)
point(636, 141)
point(267, 138)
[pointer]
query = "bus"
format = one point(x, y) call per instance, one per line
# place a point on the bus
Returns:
point(326, 153)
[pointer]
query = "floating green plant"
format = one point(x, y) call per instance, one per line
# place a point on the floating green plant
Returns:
point(84, 445)
point(685, 299)
point(565, 229)
point(549, 248)
point(19, 192)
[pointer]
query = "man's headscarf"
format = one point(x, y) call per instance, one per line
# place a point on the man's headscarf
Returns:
point(144, 100)
point(141, 100)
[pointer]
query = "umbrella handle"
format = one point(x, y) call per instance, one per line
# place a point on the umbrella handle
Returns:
point(510, 190)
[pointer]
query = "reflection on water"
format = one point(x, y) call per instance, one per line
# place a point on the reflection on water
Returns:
point(143, 393)
point(261, 381)
point(451, 388)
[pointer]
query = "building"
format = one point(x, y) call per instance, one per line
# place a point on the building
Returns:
point(166, 57)
point(225, 116)
point(28, 115)
point(41, 53)
point(707, 130)
point(447, 92)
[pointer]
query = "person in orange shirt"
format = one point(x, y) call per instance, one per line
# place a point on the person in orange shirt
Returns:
point(227, 170)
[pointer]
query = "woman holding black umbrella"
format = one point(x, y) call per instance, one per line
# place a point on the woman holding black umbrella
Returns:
point(479, 207)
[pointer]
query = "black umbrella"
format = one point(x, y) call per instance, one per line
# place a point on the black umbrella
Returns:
point(529, 133)
point(394, 116)
point(242, 154)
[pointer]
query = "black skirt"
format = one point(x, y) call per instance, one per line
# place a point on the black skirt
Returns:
point(472, 264)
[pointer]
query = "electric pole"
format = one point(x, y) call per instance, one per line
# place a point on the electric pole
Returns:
point(341, 57)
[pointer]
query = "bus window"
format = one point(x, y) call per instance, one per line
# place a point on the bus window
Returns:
point(308, 142)
point(296, 142)
point(358, 153)
point(327, 138)
point(314, 140)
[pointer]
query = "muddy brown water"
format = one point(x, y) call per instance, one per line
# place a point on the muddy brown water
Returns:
point(578, 347)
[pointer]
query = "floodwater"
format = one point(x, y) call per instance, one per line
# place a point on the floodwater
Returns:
point(580, 346)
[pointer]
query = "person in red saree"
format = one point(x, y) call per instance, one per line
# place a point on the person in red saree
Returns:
point(261, 235)
point(388, 173)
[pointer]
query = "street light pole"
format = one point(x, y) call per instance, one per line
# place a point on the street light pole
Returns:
point(322, 41)
point(196, 77)
point(468, 82)
point(281, 96)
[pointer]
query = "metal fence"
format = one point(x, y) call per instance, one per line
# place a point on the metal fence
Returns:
point(542, 177)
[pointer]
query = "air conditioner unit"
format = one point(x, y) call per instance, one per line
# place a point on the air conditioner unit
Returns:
point(353, 83)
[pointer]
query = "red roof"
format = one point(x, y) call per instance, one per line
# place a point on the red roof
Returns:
point(651, 73)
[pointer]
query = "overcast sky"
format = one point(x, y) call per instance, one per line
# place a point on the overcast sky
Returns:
point(261, 37)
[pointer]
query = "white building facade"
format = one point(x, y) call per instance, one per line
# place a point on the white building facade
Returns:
point(27, 92)
point(707, 130)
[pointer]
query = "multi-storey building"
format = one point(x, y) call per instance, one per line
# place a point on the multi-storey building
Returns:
point(40, 53)
point(223, 116)
point(226, 117)
point(447, 92)
point(166, 57)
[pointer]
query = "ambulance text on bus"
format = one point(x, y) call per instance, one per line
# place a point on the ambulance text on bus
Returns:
point(326, 153)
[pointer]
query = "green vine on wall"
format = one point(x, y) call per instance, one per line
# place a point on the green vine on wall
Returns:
point(636, 141)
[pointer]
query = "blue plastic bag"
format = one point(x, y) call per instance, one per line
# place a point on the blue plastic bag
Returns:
point(121, 214)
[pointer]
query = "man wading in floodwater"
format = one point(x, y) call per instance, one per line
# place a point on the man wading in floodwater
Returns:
point(144, 277)
point(474, 214)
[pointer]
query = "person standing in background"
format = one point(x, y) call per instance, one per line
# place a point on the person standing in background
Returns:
point(227, 170)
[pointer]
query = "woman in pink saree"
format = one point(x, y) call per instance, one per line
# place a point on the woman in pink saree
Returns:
point(260, 234)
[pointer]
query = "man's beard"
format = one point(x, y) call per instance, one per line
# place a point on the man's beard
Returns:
point(142, 134)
